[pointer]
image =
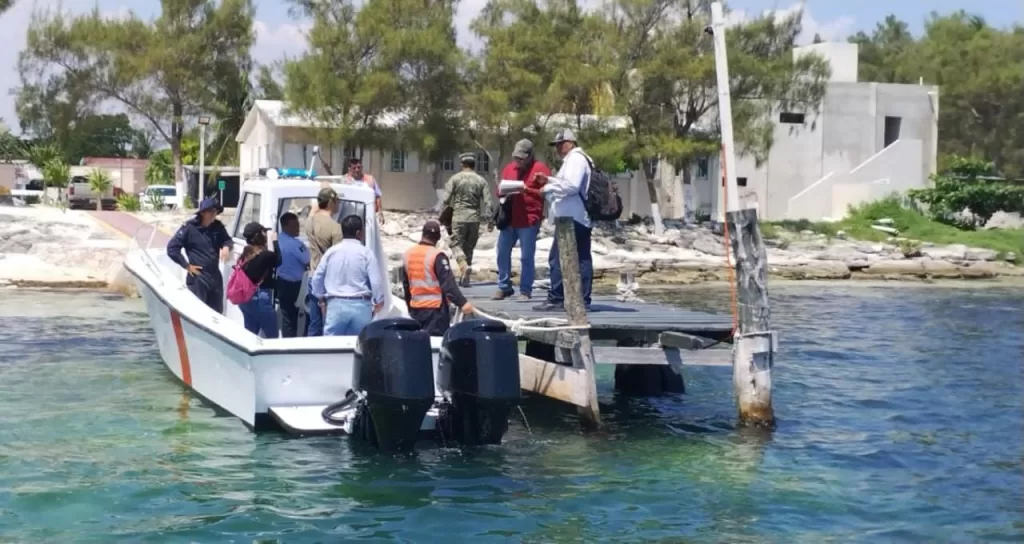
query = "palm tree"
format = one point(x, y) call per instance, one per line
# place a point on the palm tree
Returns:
point(56, 173)
point(99, 183)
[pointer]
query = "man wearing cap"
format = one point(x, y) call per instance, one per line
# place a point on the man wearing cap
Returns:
point(523, 210)
point(203, 238)
point(349, 282)
point(428, 280)
point(323, 233)
point(565, 192)
point(469, 196)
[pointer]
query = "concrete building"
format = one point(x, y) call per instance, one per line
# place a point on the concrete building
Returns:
point(273, 137)
point(866, 141)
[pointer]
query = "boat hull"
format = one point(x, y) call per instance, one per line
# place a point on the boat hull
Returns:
point(233, 369)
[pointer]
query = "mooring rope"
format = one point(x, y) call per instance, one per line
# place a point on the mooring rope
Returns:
point(519, 326)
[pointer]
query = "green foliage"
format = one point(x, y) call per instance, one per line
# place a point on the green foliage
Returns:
point(128, 202)
point(193, 57)
point(912, 226)
point(160, 170)
point(99, 183)
point(962, 197)
point(56, 172)
point(11, 147)
point(155, 200)
point(188, 203)
point(980, 76)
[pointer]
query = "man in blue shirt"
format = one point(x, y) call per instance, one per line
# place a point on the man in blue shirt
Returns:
point(294, 262)
point(348, 282)
point(203, 238)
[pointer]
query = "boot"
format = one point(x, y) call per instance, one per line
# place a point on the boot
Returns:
point(466, 273)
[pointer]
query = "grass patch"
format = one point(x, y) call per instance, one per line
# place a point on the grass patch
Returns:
point(911, 224)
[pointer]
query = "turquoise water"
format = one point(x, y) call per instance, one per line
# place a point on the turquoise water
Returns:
point(900, 420)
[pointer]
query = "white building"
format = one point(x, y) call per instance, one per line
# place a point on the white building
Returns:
point(271, 137)
point(866, 141)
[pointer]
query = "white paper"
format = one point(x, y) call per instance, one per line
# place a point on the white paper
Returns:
point(510, 186)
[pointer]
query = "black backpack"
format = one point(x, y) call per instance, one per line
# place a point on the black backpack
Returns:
point(602, 200)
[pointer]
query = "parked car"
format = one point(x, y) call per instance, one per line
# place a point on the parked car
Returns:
point(81, 195)
point(163, 197)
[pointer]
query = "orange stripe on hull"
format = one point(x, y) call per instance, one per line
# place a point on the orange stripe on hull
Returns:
point(179, 337)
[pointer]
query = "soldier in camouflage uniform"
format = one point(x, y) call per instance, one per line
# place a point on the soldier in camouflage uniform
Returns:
point(469, 196)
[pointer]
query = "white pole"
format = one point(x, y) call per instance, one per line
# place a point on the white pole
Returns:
point(732, 197)
point(202, 162)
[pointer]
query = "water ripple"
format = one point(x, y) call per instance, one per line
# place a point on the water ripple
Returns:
point(899, 421)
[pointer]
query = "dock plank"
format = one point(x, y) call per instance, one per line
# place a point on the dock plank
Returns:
point(607, 314)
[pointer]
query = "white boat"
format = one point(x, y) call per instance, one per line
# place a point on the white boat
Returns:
point(262, 381)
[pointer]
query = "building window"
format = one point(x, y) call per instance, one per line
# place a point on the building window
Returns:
point(791, 118)
point(398, 157)
point(248, 212)
point(483, 162)
point(892, 130)
point(741, 182)
point(448, 165)
point(353, 152)
point(703, 168)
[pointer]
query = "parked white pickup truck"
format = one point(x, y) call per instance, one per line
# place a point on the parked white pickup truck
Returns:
point(81, 195)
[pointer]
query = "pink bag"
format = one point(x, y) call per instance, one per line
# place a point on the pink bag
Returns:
point(240, 287)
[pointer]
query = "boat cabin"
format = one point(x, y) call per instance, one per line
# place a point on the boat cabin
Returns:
point(266, 199)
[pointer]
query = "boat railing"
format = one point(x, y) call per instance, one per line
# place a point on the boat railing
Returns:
point(147, 259)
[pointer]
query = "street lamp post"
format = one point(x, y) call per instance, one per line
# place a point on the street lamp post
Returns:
point(203, 121)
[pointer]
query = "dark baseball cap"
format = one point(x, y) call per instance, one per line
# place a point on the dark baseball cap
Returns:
point(432, 228)
point(252, 229)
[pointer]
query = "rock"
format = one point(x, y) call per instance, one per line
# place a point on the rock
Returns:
point(981, 270)
point(870, 249)
point(954, 252)
point(940, 269)
point(980, 254)
point(820, 270)
point(893, 268)
point(888, 230)
point(842, 253)
point(841, 235)
point(393, 228)
point(885, 221)
point(710, 244)
point(1010, 257)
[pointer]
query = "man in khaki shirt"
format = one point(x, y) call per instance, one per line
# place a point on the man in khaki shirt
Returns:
point(323, 232)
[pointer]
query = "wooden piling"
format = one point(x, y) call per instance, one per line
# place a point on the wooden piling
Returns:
point(581, 349)
point(754, 344)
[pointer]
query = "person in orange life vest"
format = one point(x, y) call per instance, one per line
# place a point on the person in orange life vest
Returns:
point(428, 280)
point(355, 173)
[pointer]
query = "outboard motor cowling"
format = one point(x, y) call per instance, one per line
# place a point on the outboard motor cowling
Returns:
point(395, 372)
point(479, 371)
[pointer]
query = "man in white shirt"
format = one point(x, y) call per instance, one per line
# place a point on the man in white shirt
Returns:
point(565, 192)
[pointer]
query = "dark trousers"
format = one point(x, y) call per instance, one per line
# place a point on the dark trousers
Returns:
point(209, 289)
point(556, 294)
point(435, 321)
point(315, 317)
point(288, 298)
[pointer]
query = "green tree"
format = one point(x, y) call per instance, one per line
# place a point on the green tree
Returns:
point(417, 70)
point(99, 182)
point(888, 54)
point(967, 195)
point(160, 170)
point(268, 85)
point(167, 71)
point(56, 173)
point(337, 85)
point(664, 80)
point(5, 5)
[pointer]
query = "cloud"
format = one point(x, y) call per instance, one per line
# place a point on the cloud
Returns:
point(276, 42)
point(834, 30)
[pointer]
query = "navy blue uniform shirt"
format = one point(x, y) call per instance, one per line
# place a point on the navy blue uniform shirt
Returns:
point(202, 245)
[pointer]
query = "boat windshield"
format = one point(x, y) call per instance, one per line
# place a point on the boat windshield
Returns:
point(305, 206)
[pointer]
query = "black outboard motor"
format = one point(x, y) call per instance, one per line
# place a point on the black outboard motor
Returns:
point(395, 372)
point(479, 372)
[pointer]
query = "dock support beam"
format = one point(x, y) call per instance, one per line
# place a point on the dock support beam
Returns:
point(754, 343)
point(583, 350)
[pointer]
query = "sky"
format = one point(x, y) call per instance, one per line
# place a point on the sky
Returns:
point(279, 35)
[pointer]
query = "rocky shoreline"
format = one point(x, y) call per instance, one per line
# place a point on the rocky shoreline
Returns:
point(48, 248)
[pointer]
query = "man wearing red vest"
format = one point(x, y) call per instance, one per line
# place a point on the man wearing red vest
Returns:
point(428, 281)
point(523, 213)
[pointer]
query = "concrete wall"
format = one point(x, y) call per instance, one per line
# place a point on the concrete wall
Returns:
point(841, 56)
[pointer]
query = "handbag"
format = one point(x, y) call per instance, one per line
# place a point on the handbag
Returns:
point(503, 215)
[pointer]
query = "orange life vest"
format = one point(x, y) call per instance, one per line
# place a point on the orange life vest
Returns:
point(424, 287)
